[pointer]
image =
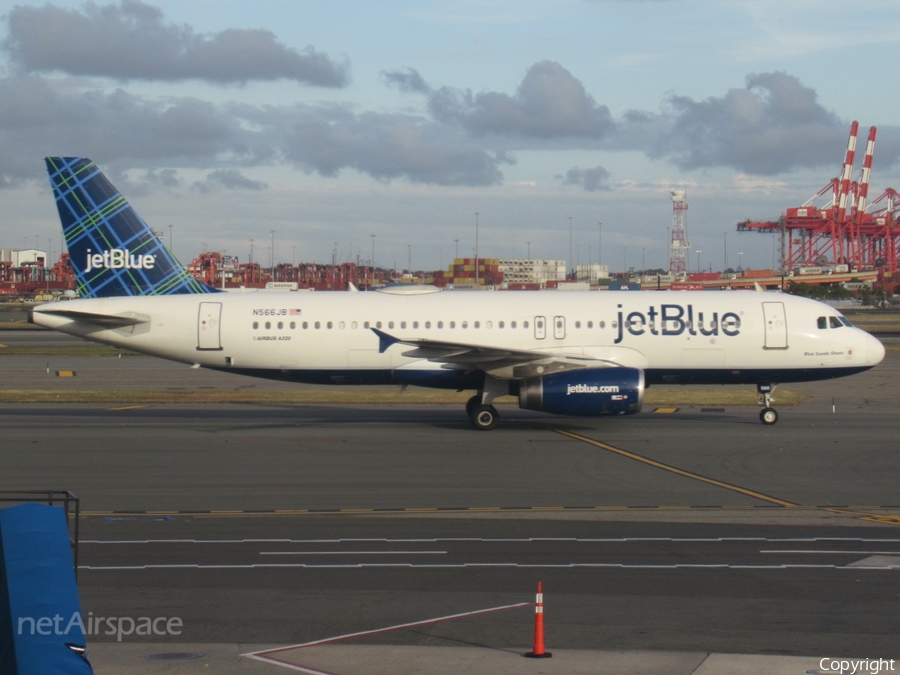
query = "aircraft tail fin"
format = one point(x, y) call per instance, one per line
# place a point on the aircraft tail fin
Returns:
point(113, 251)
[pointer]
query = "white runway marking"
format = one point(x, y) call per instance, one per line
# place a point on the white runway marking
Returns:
point(353, 552)
point(267, 655)
point(314, 566)
point(429, 540)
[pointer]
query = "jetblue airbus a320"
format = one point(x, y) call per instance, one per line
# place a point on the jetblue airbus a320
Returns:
point(584, 353)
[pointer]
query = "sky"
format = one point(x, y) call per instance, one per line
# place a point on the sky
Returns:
point(328, 123)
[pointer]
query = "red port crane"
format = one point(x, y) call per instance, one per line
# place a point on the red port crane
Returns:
point(841, 231)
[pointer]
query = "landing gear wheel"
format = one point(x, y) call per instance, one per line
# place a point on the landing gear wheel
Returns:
point(471, 403)
point(484, 417)
point(768, 416)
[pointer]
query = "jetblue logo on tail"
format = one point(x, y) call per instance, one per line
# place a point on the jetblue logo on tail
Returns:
point(118, 259)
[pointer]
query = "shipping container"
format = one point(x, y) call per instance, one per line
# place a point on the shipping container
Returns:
point(624, 286)
point(758, 274)
point(806, 271)
point(684, 286)
point(703, 276)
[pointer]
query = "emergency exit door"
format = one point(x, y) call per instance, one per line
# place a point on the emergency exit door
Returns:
point(209, 328)
point(776, 325)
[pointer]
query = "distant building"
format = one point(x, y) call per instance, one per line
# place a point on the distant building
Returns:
point(532, 271)
point(25, 256)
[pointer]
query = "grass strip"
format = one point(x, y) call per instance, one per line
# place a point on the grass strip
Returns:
point(655, 396)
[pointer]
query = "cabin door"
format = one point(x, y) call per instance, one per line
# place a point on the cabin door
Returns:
point(209, 326)
point(776, 325)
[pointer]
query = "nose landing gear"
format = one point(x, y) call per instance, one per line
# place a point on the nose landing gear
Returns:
point(768, 414)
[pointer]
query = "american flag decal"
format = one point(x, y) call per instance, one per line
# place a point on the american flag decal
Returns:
point(294, 312)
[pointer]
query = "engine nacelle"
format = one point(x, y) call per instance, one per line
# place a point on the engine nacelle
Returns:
point(590, 392)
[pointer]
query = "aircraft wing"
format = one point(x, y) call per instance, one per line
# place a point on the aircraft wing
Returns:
point(500, 362)
point(105, 320)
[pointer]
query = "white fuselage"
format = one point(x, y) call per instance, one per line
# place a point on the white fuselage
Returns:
point(682, 336)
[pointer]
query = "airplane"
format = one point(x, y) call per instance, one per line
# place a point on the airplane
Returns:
point(569, 353)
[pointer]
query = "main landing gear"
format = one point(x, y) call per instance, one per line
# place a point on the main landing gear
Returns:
point(482, 414)
point(768, 414)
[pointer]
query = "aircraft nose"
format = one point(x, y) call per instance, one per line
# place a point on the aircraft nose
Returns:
point(874, 350)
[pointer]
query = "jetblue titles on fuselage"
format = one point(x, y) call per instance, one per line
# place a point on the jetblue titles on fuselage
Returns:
point(674, 320)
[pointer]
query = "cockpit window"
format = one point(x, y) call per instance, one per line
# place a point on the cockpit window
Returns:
point(822, 322)
point(845, 321)
point(835, 322)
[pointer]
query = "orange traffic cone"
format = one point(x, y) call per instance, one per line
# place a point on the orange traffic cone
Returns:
point(538, 651)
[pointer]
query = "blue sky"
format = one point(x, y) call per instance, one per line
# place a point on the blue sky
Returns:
point(330, 122)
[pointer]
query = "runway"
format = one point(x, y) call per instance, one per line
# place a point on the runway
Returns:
point(692, 531)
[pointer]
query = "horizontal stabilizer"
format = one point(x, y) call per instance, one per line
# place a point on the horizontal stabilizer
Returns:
point(109, 320)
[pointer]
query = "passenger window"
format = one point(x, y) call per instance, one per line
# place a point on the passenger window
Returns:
point(317, 325)
point(835, 322)
point(822, 323)
point(512, 324)
point(590, 324)
point(465, 324)
point(427, 324)
point(293, 325)
point(452, 324)
point(342, 325)
point(366, 325)
point(255, 325)
point(268, 325)
point(577, 324)
point(305, 325)
point(402, 324)
point(602, 324)
point(329, 325)
point(280, 325)
point(478, 325)
point(415, 324)
point(390, 324)
point(524, 324)
point(377, 324)
point(353, 325)
point(440, 324)
point(499, 324)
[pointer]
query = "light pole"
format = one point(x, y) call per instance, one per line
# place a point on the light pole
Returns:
point(599, 242)
point(698, 259)
point(643, 264)
point(272, 257)
point(251, 251)
point(740, 261)
point(476, 250)
point(529, 251)
point(409, 258)
point(457, 248)
point(625, 262)
point(570, 240)
point(171, 250)
point(725, 237)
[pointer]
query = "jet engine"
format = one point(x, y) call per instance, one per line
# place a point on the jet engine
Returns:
point(589, 393)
